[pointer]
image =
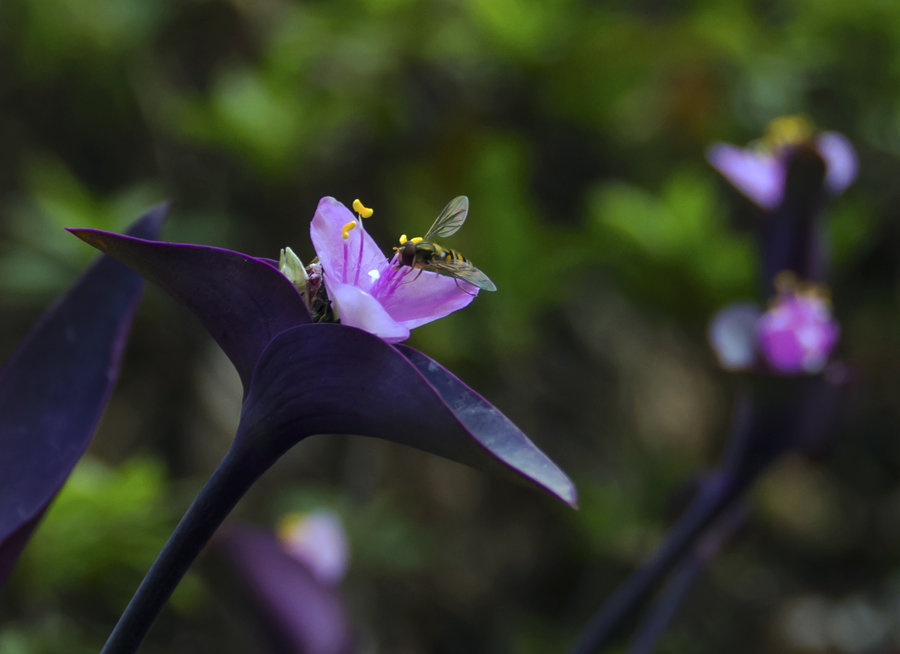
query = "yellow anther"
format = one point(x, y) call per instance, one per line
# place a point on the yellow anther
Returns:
point(287, 524)
point(788, 130)
point(362, 210)
point(785, 281)
point(345, 230)
point(402, 239)
point(417, 239)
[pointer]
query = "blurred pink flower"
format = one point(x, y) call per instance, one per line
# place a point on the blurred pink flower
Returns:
point(760, 171)
point(797, 334)
point(316, 540)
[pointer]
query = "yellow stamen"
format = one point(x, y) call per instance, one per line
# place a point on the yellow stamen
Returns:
point(287, 524)
point(788, 130)
point(417, 239)
point(362, 210)
point(345, 230)
point(785, 281)
point(402, 239)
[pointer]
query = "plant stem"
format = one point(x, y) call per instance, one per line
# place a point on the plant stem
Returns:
point(683, 578)
point(715, 495)
point(234, 475)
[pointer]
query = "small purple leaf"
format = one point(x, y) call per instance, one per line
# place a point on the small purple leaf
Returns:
point(54, 387)
point(243, 301)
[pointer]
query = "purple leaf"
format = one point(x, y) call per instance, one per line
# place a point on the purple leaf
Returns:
point(326, 378)
point(496, 433)
point(54, 387)
point(242, 301)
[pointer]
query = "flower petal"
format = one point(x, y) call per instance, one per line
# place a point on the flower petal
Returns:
point(347, 261)
point(840, 159)
point(757, 175)
point(424, 297)
point(797, 335)
point(326, 378)
point(732, 335)
point(243, 301)
point(301, 613)
point(357, 308)
point(317, 539)
point(54, 387)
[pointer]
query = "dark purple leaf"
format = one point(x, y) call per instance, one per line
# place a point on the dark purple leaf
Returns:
point(492, 429)
point(244, 302)
point(300, 613)
point(54, 387)
point(328, 378)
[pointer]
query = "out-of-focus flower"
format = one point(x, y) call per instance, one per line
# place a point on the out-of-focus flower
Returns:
point(317, 540)
point(760, 171)
point(300, 613)
point(795, 336)
point(732, 335)
point(368, 290)
point(54, 387)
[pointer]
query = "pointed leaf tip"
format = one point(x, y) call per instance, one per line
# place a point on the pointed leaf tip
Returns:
point(497, 433)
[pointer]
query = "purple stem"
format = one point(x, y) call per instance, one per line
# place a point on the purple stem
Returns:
point(683, 579)
point(228, 483)
point(715, 494)
point(755, 442)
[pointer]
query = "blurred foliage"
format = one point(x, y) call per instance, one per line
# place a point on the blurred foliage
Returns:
point(578, 130)
point(93, 546)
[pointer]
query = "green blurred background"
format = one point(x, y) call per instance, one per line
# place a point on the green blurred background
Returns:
point(578, 130)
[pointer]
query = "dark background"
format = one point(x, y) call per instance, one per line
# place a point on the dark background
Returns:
point(578, 131)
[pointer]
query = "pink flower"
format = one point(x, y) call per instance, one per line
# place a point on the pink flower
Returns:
point(760, 171)
point(369, 291)
point(794, 337)
point(797, 334)
point(318, 541)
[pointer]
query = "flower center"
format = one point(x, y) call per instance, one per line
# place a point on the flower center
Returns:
point(786, 131)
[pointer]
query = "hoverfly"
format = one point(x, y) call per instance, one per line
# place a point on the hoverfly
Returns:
point(423, 253)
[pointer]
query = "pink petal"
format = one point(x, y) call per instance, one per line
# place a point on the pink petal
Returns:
point(421, 298)
point(318, 541)
point(840, 159)
point(731, 335)
point(357, 308)
point(757, 175)
point(797, 334)
point(340, 257)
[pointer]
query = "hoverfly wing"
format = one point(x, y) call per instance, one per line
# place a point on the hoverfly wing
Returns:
point(450, 219)
point(462, 270)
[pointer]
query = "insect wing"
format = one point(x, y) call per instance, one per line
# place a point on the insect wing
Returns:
point(450, 219)
point(462, 270)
